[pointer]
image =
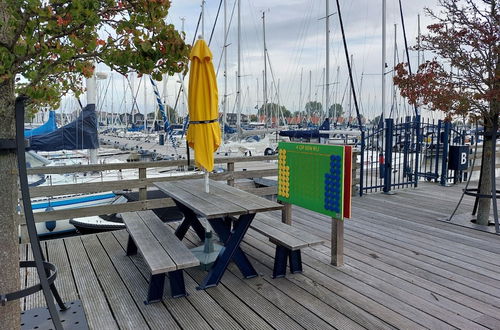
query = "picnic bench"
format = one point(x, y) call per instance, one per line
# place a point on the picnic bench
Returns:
point(288, 239)
point(162, 251)
point(230, 212)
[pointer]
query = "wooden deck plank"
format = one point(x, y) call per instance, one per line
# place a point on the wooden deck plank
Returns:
point(22, 272)
point(311, 278)
point(408, 311)
point(97, 310)
point(276, 317)
point(465, 252)
point(390, 265)
point(441, 276)
point(156, 315)
point(391, 243)
point(56, 253)
point(282, 315)
point(125, 310)
point(418, 215)
point(403, 269)
point(429, 248)
point(37, 299)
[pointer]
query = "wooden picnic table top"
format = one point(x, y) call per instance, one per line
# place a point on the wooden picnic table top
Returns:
point(221, 200)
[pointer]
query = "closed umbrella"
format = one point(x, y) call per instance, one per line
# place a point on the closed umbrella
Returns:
point(203, 134)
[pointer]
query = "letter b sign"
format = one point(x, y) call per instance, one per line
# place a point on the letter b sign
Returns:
point(458, 158)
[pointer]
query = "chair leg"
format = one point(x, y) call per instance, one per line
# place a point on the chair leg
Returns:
point(295, 262)
point(155, 291)
point(280, 260)
point(177, 287)
point(131, 247)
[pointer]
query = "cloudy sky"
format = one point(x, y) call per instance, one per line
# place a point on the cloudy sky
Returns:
point(295, 36)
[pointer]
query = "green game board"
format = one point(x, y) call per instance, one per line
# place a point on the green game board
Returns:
point(311, 176)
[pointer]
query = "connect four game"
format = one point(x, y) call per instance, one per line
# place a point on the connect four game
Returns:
point(316, 177)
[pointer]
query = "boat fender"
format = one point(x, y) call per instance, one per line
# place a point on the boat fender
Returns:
point(269, 152)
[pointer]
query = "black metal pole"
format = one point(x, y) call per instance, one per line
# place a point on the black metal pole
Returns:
point(349, 67)
point(406, 45)
point(493, 176)
point(49, 291)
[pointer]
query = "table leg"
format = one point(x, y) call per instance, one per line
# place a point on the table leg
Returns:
point(231, 248)
point(190, 220)
point(223, 230)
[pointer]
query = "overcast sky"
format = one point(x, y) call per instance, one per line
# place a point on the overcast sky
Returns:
point(295, 37)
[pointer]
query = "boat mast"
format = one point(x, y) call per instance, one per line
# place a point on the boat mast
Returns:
point(265, 68)
point(309, 100)
point(91, 99)
point(394, 104)
point(418, 41)
point(383, 56)
point(335, 98)
point(327, 76)
point(300, 91)
point(350, 98)
point(323, 96)
point(203, 18)
point(224, 111)
point(145, 86)
point(238, 75)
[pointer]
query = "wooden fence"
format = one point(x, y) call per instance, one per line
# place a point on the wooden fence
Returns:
point(141, 184)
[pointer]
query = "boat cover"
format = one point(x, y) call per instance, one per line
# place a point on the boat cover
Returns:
point(309, 133)
point(49, 126)
point(79, 134)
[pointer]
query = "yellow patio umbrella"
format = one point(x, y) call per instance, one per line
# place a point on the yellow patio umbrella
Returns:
point(203, 134)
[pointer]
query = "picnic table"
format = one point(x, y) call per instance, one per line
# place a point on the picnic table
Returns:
point(229, 211)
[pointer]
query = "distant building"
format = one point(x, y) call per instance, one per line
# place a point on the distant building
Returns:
point(232, 119)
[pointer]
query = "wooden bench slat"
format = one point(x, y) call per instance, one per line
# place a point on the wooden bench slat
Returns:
point(307, 237)
point(179, 253)
point(278, 236)
point(155, 256)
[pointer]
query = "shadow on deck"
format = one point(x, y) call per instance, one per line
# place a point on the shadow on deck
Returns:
point(403, 269)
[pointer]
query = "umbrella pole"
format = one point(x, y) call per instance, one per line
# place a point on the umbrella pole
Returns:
point(207, 188)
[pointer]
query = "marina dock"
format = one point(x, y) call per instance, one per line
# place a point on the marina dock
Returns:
point(403, 269)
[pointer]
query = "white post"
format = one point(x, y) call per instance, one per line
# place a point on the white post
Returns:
point(383, 55)
point(224, 112)
point(327, 75)
point(238, 75)
point(91, 99)
point(203, 19)
point(300, 91)
point(207, 186)
point(265, 68)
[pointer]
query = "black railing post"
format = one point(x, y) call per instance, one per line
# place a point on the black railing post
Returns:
point(418, 147)
point(444, 160)
point(389, 130)
point(437, 147)
point(362, 165)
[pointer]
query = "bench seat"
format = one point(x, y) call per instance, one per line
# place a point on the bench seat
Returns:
point(288, 239)
point(162, 251)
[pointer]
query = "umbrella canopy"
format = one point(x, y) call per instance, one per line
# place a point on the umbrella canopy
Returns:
point(203, 134)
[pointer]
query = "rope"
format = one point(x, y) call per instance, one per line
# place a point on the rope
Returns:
point(406, 44)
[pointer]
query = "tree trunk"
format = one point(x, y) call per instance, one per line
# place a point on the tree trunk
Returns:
point(9, 251)
point(483, 210)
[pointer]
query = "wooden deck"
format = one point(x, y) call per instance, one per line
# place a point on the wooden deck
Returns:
point(403, 269)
